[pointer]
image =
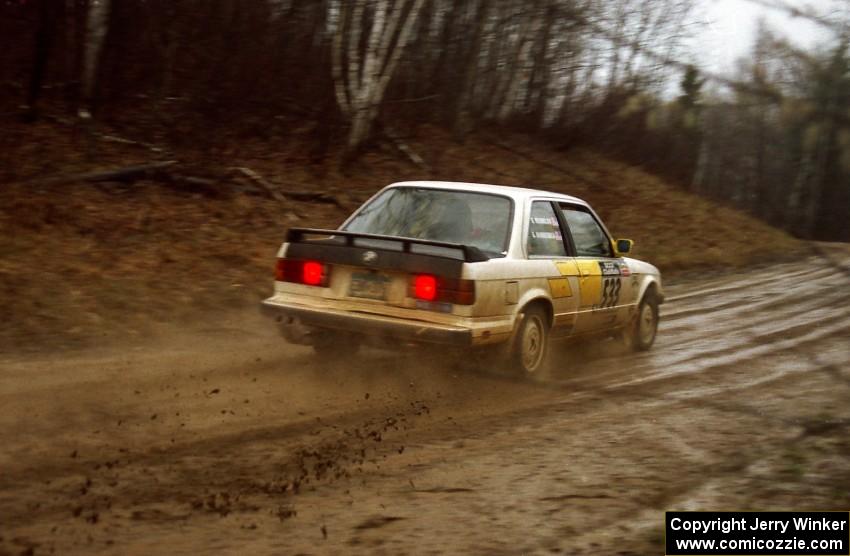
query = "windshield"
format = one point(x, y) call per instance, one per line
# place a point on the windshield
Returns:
point(476, 219)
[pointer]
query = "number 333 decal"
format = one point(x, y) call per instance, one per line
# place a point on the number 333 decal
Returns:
point(610, 293)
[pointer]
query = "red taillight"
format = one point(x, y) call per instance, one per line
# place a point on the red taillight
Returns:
point(447, 290)
point(280, 270)
point(311, 273)
point(425, 287)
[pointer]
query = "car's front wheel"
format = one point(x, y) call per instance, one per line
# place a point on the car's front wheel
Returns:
point(531, 349)
point(641, 334)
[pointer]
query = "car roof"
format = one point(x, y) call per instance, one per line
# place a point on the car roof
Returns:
point(517, 193)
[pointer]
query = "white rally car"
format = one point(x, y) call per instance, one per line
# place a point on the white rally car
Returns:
point(486, 267)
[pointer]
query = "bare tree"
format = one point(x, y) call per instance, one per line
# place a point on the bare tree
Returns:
point(377, 32)
point(96, 26)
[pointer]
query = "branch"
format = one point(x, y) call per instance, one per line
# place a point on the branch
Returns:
point(405, 149)
point(122, 140)
point(275, 192)
point(258, 180)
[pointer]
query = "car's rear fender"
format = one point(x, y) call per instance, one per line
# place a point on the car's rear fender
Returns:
point(534, 296)
point(538, 296)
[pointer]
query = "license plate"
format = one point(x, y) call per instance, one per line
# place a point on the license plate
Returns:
point(368, 285)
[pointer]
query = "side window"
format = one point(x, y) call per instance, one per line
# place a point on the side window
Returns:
point(544, 231)
point(589, 239)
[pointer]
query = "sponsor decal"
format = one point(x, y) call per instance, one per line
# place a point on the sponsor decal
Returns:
point(546, 235)
point(546, 220)
point(609, 268)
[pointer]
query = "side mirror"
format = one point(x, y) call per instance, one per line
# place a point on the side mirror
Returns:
point(624, 246)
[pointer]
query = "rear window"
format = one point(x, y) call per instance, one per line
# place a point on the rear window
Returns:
point(477, 219)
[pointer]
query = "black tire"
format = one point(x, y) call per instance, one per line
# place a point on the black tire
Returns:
point(641, 334)
point(330, 345)
point(531, 347)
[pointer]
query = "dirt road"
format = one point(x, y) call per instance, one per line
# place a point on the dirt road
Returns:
point(223, 440)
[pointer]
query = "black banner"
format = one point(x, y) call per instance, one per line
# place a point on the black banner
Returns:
point(757, 533)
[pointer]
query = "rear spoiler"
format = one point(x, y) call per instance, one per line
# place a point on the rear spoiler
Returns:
point(343, 248)
point(471, 254)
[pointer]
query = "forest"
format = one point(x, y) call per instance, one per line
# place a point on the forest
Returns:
point(770, 137)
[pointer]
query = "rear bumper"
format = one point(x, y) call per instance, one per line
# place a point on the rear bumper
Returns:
point(371, 325)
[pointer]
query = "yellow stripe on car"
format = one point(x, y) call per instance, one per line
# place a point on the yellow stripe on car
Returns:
point(590, 282)
point(567, 268)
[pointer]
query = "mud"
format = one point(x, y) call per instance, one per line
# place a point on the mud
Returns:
point(223, 439)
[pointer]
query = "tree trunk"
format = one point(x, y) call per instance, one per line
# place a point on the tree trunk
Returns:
point(96, 27)
point(47, 15)
point(369, 72)
point(464, 93)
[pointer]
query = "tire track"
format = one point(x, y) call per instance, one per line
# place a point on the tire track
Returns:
point(703, 340)
point(728, 334)
point(772, 293)
point(747, 283)
point(728, 321)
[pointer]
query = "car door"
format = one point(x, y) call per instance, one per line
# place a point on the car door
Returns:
point(604, 291)
point(548, 251)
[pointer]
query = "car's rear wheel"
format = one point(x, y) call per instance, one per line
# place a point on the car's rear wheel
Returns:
point(643, 330)
point(531, 348)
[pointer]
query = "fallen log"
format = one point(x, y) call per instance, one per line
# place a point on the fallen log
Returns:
point(313, 197)
point(127, 173)
point(163, 170)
